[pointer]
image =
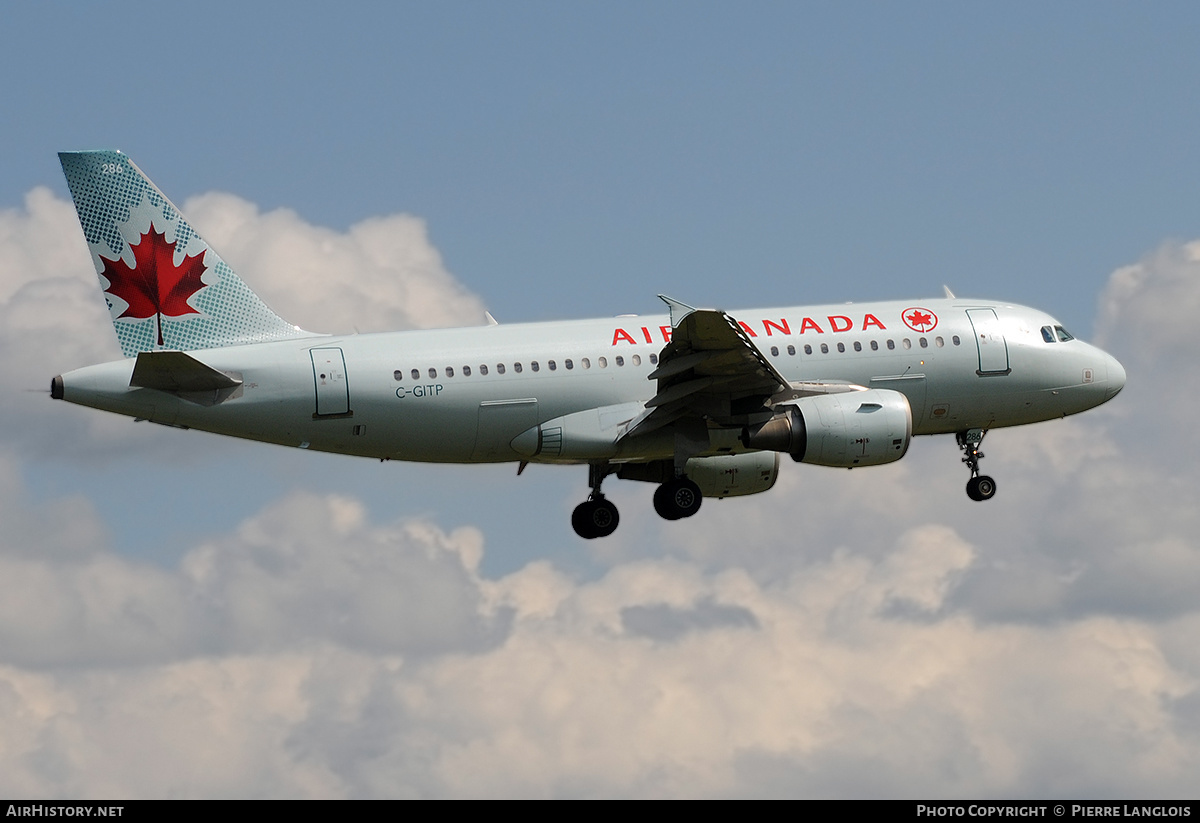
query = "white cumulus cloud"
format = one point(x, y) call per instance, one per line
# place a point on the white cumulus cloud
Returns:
point(658, 679)
point(380, 275)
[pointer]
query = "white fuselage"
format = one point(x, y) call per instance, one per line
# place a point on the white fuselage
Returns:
point(463, 395)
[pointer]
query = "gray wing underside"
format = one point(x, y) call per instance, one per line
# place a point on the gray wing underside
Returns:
point(711, 370)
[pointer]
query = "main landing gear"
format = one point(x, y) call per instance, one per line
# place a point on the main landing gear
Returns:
point(597, 517)
point(677, 499)
point(980, 486)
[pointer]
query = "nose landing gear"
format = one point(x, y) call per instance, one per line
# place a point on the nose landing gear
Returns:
point(980, 486)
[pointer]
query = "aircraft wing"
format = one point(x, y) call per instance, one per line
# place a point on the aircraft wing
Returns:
point(710, 369)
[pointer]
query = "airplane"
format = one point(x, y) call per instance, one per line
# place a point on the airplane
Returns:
point(701, 402)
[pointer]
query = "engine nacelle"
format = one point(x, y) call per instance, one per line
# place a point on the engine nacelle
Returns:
point(723, 475)
point(857, 428)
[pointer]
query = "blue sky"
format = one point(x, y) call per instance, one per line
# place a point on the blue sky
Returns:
point(570, 160)
point(570, 154)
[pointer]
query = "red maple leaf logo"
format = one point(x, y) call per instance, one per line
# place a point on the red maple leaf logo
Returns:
point(155, 286)
point(920, 320)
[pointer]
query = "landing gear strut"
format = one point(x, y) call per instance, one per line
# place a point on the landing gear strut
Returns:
point(677, 499)
point(595, 517)
point(980, 486)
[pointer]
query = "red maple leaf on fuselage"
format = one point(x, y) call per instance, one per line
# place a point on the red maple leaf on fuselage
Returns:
point(155, 286)
point(920, 320)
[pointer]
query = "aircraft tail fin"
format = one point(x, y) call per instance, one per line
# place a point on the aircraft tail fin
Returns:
point(165, 287)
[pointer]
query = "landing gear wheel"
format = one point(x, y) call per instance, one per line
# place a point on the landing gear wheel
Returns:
point(581, 519)
point(981, 488)
point(663, 505)
point(677, 499)
point(595, 518)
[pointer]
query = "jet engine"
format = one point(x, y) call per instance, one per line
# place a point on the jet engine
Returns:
point(857, 428)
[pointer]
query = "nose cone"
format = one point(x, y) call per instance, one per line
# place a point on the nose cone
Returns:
point(1116, 377)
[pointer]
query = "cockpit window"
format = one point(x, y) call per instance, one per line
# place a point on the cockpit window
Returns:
point(1048, 334)
point(1063, 334)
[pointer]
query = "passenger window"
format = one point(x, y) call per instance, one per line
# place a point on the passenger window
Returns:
point(570, 364)
point(1048, 334)
point(534, 366)
point(857, 346)
point(449, 371)
point(619, 360)
point(842, 347)
point(654, 359)
point(924, 343)
point(466, 371)
point(602, 362)
point(824, 348)
point(907, 343)
point(939, 342)
point(432, 373)
point(807, 349)
point(399, 375)
point(499, 368)
point(891, 345)
point(483, 369)
point(774, 351)
point(416, 374)
point(955, 340)
point(874, 345)
point(587, 364)
point(517, 368)
point(637, 360)
point(792, 350)
point(551, 365)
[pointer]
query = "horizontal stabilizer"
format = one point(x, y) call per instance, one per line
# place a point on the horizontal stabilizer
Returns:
point(179, 373)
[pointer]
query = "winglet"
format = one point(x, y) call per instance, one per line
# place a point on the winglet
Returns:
point(678, 310)
point(491, 321)
point(949, 294)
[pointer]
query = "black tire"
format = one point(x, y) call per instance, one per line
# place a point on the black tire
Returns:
point(605, 518)
point(662, 503)
point(985, 487)
point(677, 499)
point(581, 520)
point(981, 488)
point(973, 489)
point(595, 518)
